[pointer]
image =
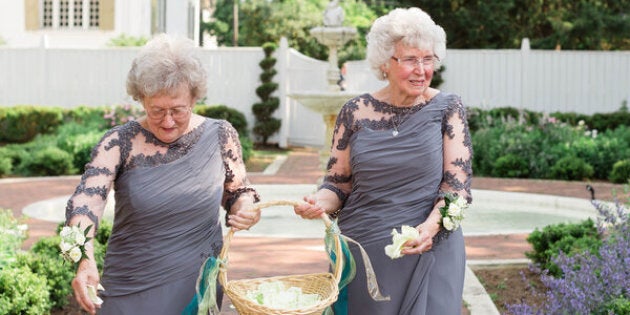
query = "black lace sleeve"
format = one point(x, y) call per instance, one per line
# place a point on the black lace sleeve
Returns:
point(458, 151)
point(236, 181)
point(90, 196)
point(338, 176)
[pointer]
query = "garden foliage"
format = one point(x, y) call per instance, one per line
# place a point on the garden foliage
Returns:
point(508, 142)
point(38, 281)
point(21, 124)
point(60, 141)
point(589, 281)
point(518, 143)
point(12, 234)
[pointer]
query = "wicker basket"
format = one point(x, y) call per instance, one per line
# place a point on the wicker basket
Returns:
point(323, 284)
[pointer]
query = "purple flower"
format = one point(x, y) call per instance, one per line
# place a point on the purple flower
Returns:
point(589, 280)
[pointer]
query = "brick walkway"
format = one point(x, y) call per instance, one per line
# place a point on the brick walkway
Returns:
point(301, 167)
point(280, 256)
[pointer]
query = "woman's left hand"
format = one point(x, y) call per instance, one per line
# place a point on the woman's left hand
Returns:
point(424, 242)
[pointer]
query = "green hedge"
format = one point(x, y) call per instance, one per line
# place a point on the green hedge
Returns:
point(512, 143)
point(507, 142)
point(236, 118)
point(21, 124)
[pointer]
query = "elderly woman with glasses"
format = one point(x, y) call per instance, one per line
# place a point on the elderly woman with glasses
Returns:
point(171, 171)
point(396, 153)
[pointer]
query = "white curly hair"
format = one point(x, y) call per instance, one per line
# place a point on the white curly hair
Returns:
point(413, 27)
point(163, 65)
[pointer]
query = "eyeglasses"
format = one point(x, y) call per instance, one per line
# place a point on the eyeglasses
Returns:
point(179, 112)
point(412, 62)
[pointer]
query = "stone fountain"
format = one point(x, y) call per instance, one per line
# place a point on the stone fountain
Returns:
point(328, 103)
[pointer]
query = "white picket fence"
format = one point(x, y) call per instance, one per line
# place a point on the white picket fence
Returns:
point(548, 81)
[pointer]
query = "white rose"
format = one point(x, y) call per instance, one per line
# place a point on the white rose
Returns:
point(75, 254)
point(461, 202)
point(448, 223)
point(65, 247)
point(79, 238)
point(454, 210)
point(65, 231)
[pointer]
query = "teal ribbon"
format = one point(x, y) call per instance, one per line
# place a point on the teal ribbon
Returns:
point(205, 299)
point(340, 307)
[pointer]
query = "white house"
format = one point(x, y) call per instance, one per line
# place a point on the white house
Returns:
point(92, 23)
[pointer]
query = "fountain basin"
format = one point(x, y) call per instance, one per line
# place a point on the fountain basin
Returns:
point(335, 36)
point(492, 212)
point(325, 103)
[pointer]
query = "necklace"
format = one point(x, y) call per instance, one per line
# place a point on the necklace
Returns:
point(401, 119)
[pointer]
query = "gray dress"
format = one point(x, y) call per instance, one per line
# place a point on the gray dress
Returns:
point(166, 220)
point(392, 180)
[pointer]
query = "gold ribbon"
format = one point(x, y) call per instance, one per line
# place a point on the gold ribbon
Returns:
point(370, 275)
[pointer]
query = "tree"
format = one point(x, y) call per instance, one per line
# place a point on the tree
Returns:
point(583, 25)
point(266, 125)
point(262, 21)
point(568, 24)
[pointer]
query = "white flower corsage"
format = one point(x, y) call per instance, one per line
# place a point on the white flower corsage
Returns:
point(453, 212)
point(73, 241)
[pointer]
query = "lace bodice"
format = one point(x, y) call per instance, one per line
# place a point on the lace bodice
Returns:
point(130, 146)
point(366, 112)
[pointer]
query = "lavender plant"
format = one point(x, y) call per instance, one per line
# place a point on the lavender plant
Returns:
point(591, 283)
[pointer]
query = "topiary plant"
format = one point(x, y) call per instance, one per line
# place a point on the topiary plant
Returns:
point(266, 125)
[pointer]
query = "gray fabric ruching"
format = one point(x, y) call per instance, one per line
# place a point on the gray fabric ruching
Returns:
point(172, 213)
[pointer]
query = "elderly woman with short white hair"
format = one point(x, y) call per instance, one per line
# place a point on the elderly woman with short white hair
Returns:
point(171, 170)
point(396, 154)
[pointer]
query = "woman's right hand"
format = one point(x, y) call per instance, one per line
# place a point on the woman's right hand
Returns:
point(87, 274)
point(310, 209)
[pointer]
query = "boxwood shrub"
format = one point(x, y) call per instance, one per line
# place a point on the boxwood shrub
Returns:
point(572, 168)
point(21, 124)
point(23, 292)
point(236, 118)
point(620, 172)
point(49, 161)
point(58, 274)
point(568, 238)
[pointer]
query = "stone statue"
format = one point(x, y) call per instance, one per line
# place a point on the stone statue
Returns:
point(333, 15)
